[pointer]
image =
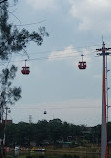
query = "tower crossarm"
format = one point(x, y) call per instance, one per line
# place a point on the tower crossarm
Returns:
point(103, 50)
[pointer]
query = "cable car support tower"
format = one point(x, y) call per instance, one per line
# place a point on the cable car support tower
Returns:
point(105, 105)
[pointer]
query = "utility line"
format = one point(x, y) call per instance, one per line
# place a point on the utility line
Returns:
point(44, 58)
point(33, 108)
point(35, 23)
point(76, 49)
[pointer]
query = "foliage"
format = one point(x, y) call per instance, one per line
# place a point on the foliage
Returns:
point(52, 132)
point(13, 40)
point(8, 94)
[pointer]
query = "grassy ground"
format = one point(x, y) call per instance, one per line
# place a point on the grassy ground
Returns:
point(50, 151)
point(88, 149)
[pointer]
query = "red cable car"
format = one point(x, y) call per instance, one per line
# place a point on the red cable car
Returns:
point(25, 69)
point(82, 64)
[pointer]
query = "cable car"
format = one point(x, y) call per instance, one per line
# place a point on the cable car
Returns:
point(45, 112)
point(25, 69)
point(82, 64)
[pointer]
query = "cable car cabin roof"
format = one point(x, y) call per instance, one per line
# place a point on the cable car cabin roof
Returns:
point(82, 62)
point(25, 67)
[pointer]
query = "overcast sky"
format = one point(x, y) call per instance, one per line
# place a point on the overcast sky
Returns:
point(55, 83)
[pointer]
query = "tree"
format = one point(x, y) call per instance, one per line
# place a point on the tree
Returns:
point(8, 94)
point(13, 41)
point(55, 130)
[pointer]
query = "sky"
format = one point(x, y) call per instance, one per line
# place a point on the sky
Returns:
point(55, 82)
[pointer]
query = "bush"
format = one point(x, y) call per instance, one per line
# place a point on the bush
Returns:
point(29, 156)
point(9, 156)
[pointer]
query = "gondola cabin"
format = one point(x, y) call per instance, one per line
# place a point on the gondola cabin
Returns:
point(45, 112)
point(82, 65)
point(25, 70)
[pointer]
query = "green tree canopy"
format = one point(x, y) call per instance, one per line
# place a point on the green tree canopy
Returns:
point(13, 40)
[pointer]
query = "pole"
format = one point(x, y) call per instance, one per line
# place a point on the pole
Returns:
point(107, 104)
point(104, 126)
point(5, 124)
point(104, 117)
point(107, 88)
